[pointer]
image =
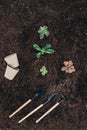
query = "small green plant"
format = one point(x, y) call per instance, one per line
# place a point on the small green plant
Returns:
point(43, 70)
point(44, 50)
point(43, 31)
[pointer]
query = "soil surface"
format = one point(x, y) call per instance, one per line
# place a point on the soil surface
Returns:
point(67, 23)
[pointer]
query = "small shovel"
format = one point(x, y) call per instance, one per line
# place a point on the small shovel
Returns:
point(40, 106)
point(38, 94)
point(62, 98)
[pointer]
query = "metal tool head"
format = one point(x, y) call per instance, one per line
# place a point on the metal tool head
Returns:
point(50, 98)
point(38, 94)
point(62, 98)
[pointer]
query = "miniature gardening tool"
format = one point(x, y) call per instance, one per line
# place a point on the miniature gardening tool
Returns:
point(40, 106)
point(38, 94)
point(62, 98)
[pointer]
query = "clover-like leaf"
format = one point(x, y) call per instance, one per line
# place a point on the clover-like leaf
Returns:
point(47, 46)
point(43, 70)
point(43, 31)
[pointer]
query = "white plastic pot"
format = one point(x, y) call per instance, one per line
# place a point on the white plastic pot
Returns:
point(10, 72)
point(12, 60)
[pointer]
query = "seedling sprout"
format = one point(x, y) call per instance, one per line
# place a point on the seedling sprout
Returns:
point(44, 50)
point(43, 70)
point(43, 31)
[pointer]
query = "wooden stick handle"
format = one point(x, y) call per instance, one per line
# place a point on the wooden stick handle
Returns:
point(29, 114)
point(20, 108)
point(45, 114)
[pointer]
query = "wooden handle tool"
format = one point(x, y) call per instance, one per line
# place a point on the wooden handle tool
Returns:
point(40, 106)
point(20, 108)
point(29, 114)
point(45, 114)
point(51, 109)
point(38, 93)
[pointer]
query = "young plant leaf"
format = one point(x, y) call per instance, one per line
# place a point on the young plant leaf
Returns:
point(50, 51)
point(47, 33)
point(38, 55)
point(36, 47)
point(41, 36)
point(47, 46)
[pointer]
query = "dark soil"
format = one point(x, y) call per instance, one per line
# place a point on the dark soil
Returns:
point(67, 22)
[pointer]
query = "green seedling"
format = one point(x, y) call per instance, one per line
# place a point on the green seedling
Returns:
point(44, 50)
point(43, 31)
point(43, 70)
